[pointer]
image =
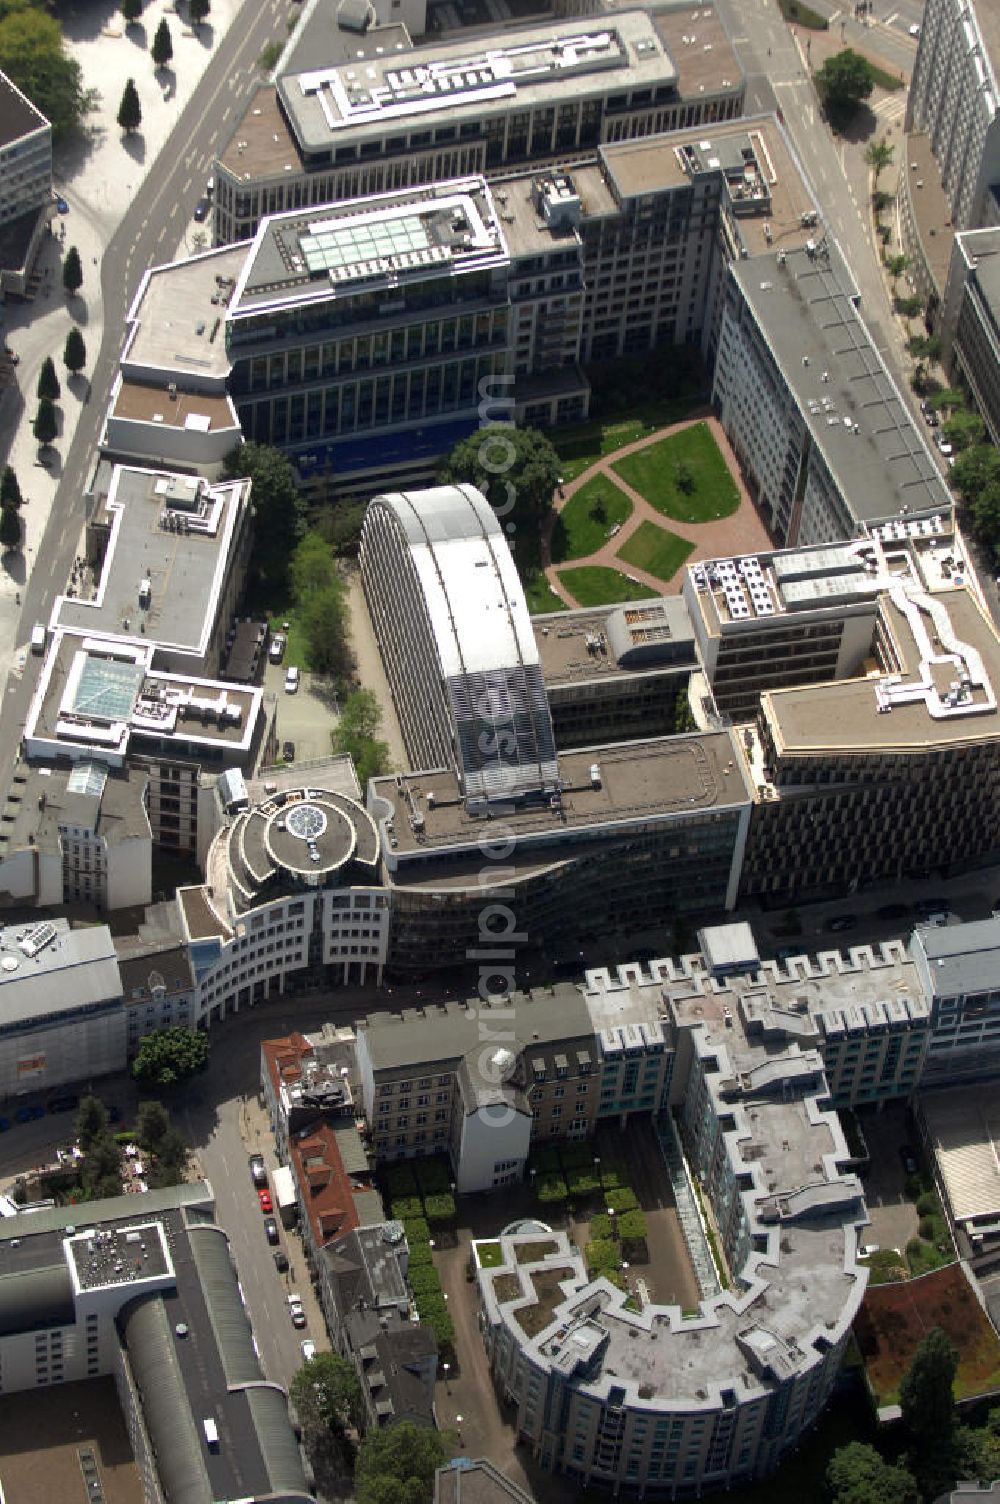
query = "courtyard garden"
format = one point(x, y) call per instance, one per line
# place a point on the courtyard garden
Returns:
point(572, 1176)
point(894, 1317)
point(589, 519)
point(597, 585)
point(656, 550)
point(683, 476)
point(421, 1196)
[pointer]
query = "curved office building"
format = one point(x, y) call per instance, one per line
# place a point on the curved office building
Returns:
point(453, 630)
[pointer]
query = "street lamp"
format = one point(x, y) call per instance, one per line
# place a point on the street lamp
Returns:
point(446, 1367)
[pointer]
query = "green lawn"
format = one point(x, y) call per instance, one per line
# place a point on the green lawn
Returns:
point(581, 445)
point(585, 522)
point(277, 607)
point(883, 80)
point(803, 15)
point(541, 598)
point(656, 550)
point(595, 585)
point(653, 472)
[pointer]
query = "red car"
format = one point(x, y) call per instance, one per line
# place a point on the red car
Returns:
point(264, 1197)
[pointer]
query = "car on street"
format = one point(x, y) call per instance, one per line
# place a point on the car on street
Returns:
point(277, 649)
point(914, 30)
point(291, 681)
point(307, 1349)
point(68, 1102)
point(925, 906)
point(288, 751)
point(280, 1260)
point(841, 922)
point(4, 1124)
point(201, 209)
point(62, 206)
point(258, 1170)
point(295, 1310)
point(271, 1232)
point(266, 1204)
point(909, 1159)
point(29, 1114)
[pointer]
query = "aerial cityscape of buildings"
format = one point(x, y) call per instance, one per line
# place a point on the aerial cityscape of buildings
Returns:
point(609, 814)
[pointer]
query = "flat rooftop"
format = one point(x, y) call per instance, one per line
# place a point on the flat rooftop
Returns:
point(119, 1255)
point(931, 209)
point(41, 801)
point(175, 533)
point(206, 412)
point(911, 713)
point(18, 116)
point(104, 694)
point(177, 319)
point(639, 780)
point(598, 642)
point(470, 79)
point(698, 45)
point(46, 967)
point(418, 234)
point(262, 146)
point(849, 402)
point(960, 958)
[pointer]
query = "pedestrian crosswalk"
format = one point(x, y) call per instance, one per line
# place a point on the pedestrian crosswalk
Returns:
point(891, 108)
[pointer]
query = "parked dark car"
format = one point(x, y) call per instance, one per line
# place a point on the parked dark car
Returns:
point(271, 1232)
point(893, 911)
point(841, 922)
point(69, 1102)
point(280, 1260)
point(201, 209)
point(4, 1124)
point(288, 751)
point(29, 1114)
point(909, 1159)
point(925, 906)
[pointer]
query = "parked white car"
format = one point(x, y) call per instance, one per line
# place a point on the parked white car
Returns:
point(295, 1310)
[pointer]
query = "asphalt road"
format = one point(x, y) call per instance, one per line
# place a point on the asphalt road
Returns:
point(146, 236)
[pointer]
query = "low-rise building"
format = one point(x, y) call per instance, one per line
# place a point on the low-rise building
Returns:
point(959, 970)
point(147, 1293)
point(64, 1017)
point(970, 321)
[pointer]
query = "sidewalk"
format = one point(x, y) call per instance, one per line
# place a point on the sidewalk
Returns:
point(98, 175)
point(742, 532)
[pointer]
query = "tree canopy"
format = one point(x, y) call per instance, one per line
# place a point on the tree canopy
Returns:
point(130, 110)
point(72, 273)
point(844, 80)
point(10, 528)
point(312, 566)
point(131, 11)
point(46, 425)
point(327, 1394)
point(926, 1396)
point(10, 491)
point(162, 49)
point(91, 1121)
point(198, 10)
point(168, 1056)
point(516, 469)
point(48, 381)
point(878, 155)
point(32, 55)
point(74, 352)
point(397, 1465)
point(357, 734)
point(858, 1475)
point(279, 511)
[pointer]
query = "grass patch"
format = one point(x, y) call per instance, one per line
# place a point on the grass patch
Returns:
point(656, 550)
point(890, 82)
point(538, 593)
point(541, 598)
point(683, 476)
point(536, 1317)
point(490, 1255)
point(595, 585)
point(585, 522)
point(894, 1317)
point(581, 445)
point(803, 15)
point(263, 602)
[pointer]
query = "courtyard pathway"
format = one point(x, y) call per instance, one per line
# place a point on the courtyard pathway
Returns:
point(742, 532)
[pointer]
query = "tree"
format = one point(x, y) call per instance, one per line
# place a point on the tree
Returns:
point(975, 471)
point(964, 430)
point(357, 735)
point(926, 1396)
point(327, 1394)
point(72, 273)
point(32, 55)
point(397, 1465)
point(516, 469)
point(312, 566)
point(279, 512)
point(101, 1166)
point(75, 352)
point(131, 11)
point(684, 477)
point(844, 80)
point(152, 1125)
point(896, 266)
point(163, 47)
point(198, 10)
point(45, 426)
point(323, 619)
point(168, 1056)
point(130, 110)
point(858, 1475)
point(10, 491)
point(48, 381)
point(91, 1121)
point(10, 529)
point(878, 155)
